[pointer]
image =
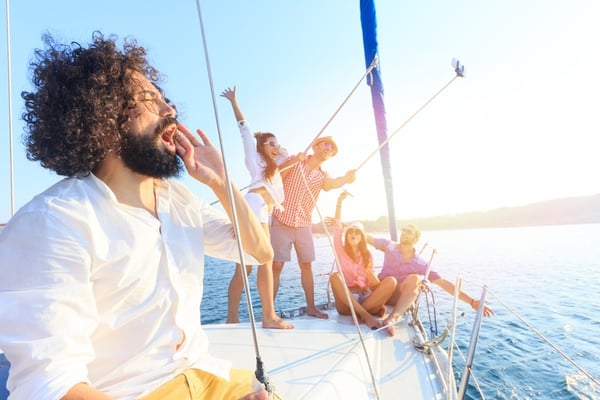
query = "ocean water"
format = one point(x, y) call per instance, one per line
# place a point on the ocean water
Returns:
point(543, 285)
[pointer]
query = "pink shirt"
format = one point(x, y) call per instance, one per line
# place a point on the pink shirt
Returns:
point(355, 273)
point(394, 264)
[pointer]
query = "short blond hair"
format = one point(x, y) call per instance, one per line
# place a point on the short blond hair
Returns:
point(415, 229)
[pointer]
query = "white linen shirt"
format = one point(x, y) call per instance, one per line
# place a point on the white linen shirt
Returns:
point(92, 290)
point(256, 166)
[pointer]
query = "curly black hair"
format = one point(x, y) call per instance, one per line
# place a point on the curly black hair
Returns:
point(76, 114)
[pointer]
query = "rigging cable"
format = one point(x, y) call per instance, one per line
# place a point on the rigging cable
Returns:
point(303, 174)
point(459, 70)
point(10, 126)
point(545, 339)
point(368, 71)
point(260, 373)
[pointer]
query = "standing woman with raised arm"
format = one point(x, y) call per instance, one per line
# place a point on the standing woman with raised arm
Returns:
point(367, 293)
point(263, 159)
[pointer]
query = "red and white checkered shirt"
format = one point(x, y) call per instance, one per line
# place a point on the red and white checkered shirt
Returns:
point(301, 188)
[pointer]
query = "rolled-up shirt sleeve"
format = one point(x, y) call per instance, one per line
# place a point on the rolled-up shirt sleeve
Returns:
point(218, 233)
point(47, 310)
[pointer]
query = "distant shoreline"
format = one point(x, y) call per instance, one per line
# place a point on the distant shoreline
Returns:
point(564, 211)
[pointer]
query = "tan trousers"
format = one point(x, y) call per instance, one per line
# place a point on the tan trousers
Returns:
point(194, 384)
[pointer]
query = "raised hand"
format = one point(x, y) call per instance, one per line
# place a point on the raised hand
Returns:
point(202, 159)
point(487, 312)
point(350, 176)
point(229, 94)
point(343, 195)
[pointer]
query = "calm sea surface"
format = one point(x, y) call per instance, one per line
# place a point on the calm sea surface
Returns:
point(547, 277)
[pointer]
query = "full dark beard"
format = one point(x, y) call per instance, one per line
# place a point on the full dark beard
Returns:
point(143, 154)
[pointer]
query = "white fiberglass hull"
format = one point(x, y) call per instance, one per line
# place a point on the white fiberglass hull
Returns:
point(324, 359)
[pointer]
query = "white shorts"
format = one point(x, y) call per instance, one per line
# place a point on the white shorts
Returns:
point(259, 206)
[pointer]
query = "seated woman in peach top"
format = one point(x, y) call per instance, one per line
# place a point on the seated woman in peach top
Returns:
point(367, 293)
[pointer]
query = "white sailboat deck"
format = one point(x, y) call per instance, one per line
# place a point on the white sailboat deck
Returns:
point(324, 359)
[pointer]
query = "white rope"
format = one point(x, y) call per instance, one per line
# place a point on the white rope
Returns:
point(231, 200)
point(407, 121)
point(367, 72)
point(346, 290)
point(349, 341)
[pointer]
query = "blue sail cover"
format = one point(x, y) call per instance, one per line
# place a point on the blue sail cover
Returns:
point(369, 31)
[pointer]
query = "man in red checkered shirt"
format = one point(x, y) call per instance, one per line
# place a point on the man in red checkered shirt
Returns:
point(293, 226)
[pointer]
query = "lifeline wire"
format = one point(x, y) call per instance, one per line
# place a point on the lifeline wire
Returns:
point(260, 375)
point(545, 339)
point(454, 345)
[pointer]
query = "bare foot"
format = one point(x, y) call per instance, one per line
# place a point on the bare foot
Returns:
point(276, 323)
point(315, 312)
point(372, 322)
point(390, 321)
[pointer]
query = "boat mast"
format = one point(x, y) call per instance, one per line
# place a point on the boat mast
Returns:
point(10, 127)
point(369, 30)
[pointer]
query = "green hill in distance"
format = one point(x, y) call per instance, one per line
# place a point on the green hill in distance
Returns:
point(564, 211)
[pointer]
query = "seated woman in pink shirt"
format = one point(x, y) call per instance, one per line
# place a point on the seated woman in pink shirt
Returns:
point(367, 293)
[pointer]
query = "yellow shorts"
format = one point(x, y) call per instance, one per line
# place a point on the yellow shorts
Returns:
point(194, 384)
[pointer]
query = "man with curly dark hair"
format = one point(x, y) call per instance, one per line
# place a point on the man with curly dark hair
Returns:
point(101, 276)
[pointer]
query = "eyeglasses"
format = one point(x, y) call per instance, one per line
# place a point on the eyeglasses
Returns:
point(273, 144)
point(410, 231)
point(327, 145)
point(354, 231)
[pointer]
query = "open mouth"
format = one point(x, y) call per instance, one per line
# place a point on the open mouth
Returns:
point(168, 136)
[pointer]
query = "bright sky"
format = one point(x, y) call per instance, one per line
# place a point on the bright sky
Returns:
point(521, 127)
